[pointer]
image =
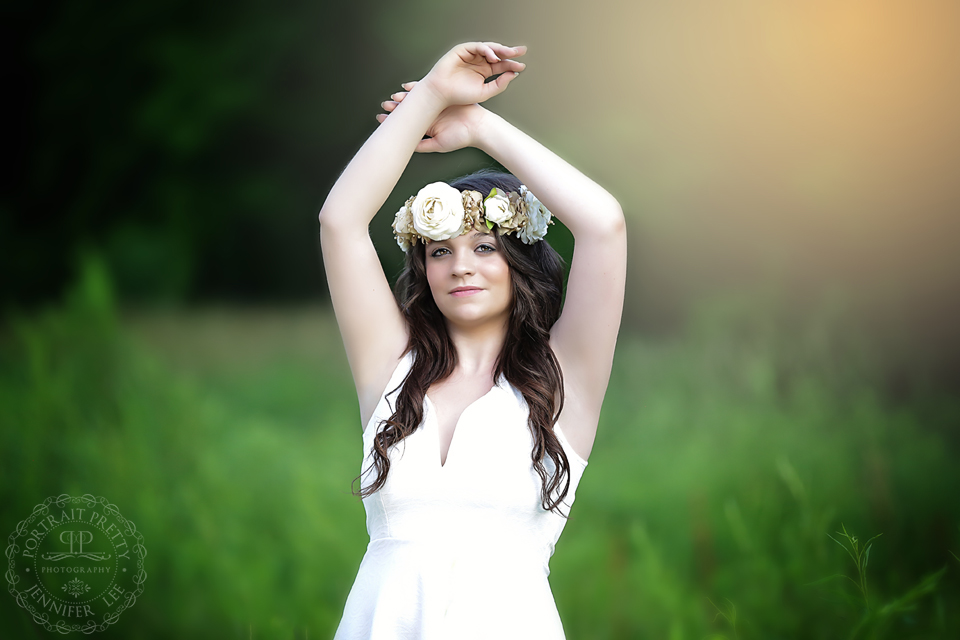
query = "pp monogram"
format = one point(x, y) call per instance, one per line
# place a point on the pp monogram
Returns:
point(75, 564)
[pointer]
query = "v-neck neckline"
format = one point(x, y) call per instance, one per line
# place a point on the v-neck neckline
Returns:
point(499, 383)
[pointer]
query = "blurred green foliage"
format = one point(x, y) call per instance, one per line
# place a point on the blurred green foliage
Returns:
point(193, 143)
point(724, 462)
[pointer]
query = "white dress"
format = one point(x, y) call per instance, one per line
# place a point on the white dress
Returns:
point(460, 550)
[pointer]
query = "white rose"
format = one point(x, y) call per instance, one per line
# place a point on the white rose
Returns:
point(496, 207)
point(538, 217)
point(438, 212)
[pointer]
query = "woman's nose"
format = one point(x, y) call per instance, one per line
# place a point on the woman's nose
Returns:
point(463, 263)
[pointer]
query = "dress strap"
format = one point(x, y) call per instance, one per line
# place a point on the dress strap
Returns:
point(568, 448)
point(386, 404)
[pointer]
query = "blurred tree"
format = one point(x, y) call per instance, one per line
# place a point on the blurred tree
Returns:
point(193, 143)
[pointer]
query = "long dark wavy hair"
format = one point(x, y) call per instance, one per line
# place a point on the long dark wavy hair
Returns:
point(526, 359)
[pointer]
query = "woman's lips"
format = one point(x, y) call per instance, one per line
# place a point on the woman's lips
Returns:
point(459, 293)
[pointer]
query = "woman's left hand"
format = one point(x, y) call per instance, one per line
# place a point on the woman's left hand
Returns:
point(456, 127)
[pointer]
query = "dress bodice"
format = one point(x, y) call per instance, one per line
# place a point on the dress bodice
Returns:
point(466, 536)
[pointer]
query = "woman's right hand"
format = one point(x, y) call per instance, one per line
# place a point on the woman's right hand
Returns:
point(458, 78)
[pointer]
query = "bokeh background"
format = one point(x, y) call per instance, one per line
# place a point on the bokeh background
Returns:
point(789, 360)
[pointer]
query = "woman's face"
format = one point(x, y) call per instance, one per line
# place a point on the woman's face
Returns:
point(470, 279)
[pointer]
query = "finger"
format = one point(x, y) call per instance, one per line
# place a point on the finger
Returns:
point(428, 145)
point(389, 105)
point(381, 117)
point(409, 85)
point(507, 66)
point(399, 96)
point(481, 49)
point(488, 53)
point(505, 52)
point(491, 89)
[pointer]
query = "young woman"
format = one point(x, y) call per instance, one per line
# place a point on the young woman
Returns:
point(480, 399)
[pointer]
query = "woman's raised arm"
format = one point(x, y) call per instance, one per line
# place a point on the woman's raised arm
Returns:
point(585, 336)
point(371, 325)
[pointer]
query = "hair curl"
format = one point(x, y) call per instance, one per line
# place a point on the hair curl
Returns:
point(526, 359)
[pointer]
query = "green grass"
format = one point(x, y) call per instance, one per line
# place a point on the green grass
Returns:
point(725, 461)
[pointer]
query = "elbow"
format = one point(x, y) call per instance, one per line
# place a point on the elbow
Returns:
point(605, 223)
point(327, 218)
point(342, 220)
point(336, 228)
point(613, 223)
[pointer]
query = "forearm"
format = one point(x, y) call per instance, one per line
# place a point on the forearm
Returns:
point(367, 181)
point(579, 202)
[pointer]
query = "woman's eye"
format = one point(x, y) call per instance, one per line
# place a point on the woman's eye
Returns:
point(485, 248)
point(438, 252)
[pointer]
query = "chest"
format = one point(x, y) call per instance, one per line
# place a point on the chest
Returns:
point(483, 453)
point(449, 401)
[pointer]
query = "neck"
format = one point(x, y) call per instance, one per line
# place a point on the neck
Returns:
point(478, 347)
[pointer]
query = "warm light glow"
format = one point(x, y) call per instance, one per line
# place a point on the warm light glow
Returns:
point(815, 142)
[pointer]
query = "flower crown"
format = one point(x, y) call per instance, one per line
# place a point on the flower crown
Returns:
point(441, 212)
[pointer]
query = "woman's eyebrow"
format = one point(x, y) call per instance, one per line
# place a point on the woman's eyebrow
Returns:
point(473, 236)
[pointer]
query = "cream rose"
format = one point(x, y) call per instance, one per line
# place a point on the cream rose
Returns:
point(538, 217)
point(496, 207)
point(403, 228)
point(438, 212)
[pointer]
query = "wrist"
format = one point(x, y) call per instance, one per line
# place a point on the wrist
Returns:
point(487, 131)
point(431, 95)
